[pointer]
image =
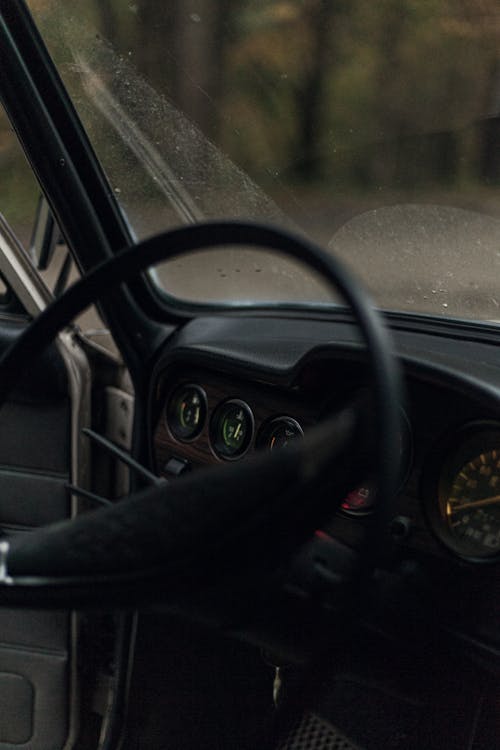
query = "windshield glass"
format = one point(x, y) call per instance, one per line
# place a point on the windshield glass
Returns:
point(374, 128)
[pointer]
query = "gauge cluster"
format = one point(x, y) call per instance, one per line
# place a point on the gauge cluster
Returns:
point(203, 418)
point(449, 498)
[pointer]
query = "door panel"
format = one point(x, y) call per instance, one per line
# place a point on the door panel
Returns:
point(37, 459)
point(19, 487)
point(44, 630)
point(36, 435)
point(38, 714)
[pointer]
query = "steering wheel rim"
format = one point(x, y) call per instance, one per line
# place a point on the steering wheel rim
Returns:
point(122, 268)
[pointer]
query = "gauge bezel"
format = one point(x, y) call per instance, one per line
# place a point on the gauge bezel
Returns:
point(361, 512)
point(217, 445)
point(169, 416)
point(449, 456)
point(262, 440)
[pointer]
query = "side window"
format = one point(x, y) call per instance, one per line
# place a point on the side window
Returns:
point(26, 215)
point(19, 188)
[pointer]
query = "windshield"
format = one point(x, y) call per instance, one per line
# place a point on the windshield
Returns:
point(373, 128)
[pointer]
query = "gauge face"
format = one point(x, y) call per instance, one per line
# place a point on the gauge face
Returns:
point(187, 412)
point(231, 429)
point(461, 492)
point(470, 506)
point(278, 433)
point(360, 501)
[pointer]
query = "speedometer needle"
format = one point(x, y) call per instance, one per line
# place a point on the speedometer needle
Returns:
point(476, 504)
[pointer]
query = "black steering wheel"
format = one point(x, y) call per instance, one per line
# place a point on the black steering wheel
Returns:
point(166, 541)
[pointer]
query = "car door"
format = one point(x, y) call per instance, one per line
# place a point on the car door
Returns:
point(42, 453)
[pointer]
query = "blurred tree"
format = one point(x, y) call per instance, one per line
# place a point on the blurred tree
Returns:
point(182, 53)
point(318, 19)
point(480, 20)
point(108, 19)
point(344, 93)
point(489, 128)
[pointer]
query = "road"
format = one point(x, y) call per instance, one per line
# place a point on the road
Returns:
point(431, 258)
point(415, 257)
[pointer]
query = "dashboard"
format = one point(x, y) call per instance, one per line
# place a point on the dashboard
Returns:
point(226, 387)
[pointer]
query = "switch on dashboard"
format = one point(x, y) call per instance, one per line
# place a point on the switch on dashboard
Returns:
point(174, 467)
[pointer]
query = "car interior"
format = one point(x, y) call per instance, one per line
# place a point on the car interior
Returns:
point(234, 525)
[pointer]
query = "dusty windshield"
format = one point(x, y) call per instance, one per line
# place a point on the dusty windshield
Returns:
point(373, 128)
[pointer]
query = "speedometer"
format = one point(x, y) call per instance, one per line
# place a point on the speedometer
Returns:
point(471, 505)
point(468, 494)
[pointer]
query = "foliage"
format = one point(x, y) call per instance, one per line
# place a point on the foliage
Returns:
point(338, 96)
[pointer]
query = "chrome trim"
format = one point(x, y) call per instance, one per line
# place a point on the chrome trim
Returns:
point(80, 383)
point(119, 425)
point(20, 274)
point(5, 579)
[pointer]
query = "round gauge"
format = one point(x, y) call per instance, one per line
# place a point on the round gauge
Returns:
point(471, 506)
point(187, 412)
point(361, 500)
point(278, 433)
point(231, 429)
point(466, 513)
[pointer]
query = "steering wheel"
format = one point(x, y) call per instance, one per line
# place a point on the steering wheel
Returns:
point(165, 541)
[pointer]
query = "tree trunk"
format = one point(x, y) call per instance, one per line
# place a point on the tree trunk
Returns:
point(310, 94)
